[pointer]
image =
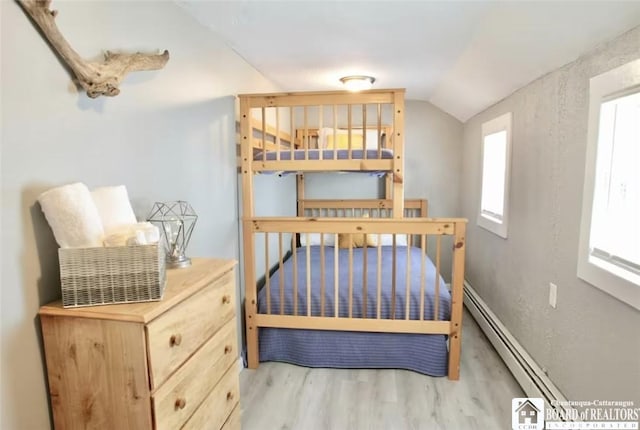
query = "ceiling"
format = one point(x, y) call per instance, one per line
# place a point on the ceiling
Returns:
point(460, 56)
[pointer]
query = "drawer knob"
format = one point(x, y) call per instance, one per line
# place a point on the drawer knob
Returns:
point(226, 299)
point(180, 403)
point(229, 396)
point(175, 340)
point(227, 349)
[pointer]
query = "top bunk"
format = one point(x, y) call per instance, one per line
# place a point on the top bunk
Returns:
point(323, 132)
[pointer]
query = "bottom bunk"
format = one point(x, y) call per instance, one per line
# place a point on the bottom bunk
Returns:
point(374, 285)
point(355, 293)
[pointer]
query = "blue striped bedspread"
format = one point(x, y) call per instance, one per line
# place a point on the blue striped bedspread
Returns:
point(360, 281)
point(423, 353)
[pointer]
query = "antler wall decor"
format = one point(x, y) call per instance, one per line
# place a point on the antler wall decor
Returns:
point(97, 78)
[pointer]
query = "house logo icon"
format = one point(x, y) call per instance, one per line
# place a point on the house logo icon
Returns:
point(527, 414)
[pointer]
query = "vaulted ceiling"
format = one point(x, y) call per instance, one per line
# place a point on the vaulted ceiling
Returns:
point(460, 56)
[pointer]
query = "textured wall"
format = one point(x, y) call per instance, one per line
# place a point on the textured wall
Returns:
point(170, 134)
point(590, 344)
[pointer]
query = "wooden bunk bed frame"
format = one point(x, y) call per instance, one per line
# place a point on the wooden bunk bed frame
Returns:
point(339, 217)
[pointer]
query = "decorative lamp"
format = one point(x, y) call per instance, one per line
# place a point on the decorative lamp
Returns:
point(357, 82)
point(175, 221)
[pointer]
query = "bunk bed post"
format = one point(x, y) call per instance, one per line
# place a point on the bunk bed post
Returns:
point(300, 193)
point(246, 149)
point(457, 285)
point(398, 154)
point(424, 208)
point(250, 301)
point(424, 213)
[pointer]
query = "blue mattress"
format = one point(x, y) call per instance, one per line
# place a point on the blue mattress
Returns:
point(323, 348)
point(327, 154)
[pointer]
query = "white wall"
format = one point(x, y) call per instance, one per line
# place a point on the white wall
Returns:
point(590, 344)
point(432, 157)
point(170, 134)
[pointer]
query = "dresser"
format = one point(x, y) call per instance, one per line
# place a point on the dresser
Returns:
point(165, 365)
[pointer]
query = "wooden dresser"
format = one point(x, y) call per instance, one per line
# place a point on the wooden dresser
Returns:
point(165, 365)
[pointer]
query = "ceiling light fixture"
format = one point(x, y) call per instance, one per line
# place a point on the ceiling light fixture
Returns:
point(358, 82)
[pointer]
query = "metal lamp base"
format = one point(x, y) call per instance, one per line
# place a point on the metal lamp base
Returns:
point(178, 263)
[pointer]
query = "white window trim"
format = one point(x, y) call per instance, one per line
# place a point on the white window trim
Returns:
point(614, 82)
point(501, 123)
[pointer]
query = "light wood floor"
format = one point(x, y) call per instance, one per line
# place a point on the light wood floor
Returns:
point(284, 396)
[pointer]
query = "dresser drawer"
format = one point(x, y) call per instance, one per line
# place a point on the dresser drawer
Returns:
point(176, 334)
point(180, 396)
point(215, 410)
point(233, 423)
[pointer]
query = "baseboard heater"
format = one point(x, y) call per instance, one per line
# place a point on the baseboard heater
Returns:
point(531, 377)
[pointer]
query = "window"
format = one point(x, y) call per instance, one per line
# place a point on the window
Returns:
point(496, 155)
point(609, 253)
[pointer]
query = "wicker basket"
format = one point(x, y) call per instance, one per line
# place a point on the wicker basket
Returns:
point(119, 274)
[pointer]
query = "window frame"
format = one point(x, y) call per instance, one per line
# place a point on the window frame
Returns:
point(503, 122)
point(607, 86)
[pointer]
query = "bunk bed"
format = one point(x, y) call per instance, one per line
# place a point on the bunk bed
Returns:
point(346, 283)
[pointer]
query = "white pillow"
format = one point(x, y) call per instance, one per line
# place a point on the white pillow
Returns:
point(372, 139)
point(387, 240)
point(314, 239)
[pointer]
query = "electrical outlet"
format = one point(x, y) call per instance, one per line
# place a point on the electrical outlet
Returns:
point(553, 294)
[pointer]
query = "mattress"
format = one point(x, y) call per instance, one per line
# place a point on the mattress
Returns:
point(327, 154)
point(340, 349)
point(415, 255)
